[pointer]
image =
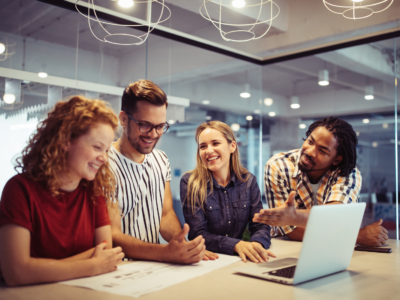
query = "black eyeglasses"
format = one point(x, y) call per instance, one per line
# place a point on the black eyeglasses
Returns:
point(147, 128)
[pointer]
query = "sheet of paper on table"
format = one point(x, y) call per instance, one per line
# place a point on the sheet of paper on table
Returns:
point(139, 278)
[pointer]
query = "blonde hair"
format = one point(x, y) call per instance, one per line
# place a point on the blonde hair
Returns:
point(201, 175)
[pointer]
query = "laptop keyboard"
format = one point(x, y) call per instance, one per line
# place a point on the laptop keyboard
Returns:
point(285, 272)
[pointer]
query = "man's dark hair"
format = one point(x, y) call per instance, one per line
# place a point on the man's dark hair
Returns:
point(142, 90)
point(346, 142)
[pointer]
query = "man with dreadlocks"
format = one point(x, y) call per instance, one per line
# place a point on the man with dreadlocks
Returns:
point(322, 172)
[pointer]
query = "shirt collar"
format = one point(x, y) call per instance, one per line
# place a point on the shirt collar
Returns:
point(296, 171)
point(231, 183)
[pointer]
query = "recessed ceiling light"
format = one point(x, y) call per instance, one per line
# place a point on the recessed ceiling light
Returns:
point(249, 118)
point(302, 126)
point(245, 95)
point(2, 48)
point(358, 133)
point(205, 102)
point(170, 122)
point(366, 121)
point(208, 118)
point(238, 3)
point(272, 114)
point(125, 3)
point(385, 125)
point(9, 98)
point(42, 74)
point(374, 144)
point(257, 111)
point(268, 101)
point(235, 127)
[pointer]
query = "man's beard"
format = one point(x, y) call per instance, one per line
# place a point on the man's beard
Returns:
point(303, 168)
point(135, 144)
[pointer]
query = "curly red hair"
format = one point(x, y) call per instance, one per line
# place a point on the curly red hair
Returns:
point(44, 157)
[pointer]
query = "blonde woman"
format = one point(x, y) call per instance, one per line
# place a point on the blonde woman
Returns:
point(54, 223)
point(220, 197)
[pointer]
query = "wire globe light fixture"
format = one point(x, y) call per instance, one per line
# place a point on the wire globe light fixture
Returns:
point(108, 36)
point(359, 9)
point(257, 17)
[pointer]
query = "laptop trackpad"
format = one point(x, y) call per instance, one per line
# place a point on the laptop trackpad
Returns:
point(280, 263)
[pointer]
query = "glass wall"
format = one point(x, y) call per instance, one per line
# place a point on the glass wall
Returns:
point(208, 86)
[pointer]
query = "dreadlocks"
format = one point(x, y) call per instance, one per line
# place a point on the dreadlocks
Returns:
point(346, 141)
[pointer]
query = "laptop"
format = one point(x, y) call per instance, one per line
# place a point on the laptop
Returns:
point(328, 246)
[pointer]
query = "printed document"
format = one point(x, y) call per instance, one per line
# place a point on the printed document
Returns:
point(142, 277)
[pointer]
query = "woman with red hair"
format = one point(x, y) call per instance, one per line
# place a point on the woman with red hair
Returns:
point(54, 223)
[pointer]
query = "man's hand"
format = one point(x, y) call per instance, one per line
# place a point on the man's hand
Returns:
point(281, 216)
point(208, 255)
point(373, 235)
point(253, 250)
point(182, 252)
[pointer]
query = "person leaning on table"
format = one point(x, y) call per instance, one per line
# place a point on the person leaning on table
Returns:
point(54, 223)
point(322, 172)
point(220, 197)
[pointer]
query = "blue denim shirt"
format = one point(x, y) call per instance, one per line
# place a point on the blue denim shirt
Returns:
point(226, 214)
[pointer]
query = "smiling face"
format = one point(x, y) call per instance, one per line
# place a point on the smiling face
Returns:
point(87, 153)
point(146, 113)
point(215, 151)
point(319, 154)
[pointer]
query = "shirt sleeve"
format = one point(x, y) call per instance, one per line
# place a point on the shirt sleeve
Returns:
point(277, 191)
point(15, 205)
point(260, 232)
point(102, 218)
point(198, 225)
point(345, 189)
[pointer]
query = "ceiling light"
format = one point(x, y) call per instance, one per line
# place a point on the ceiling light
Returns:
point(205, 102)
point(272, 114)
point(42, 74)
point(171, 122)
point(374, 144)
point(257, 111)
point(365, 121)
point(358, 133)
point(26, 81)
point(208, 118)
point(2, 48)
point(249, 118)
point(235, 127)
point(302, 126)
point(359, 11)
point(9, 98)
point(369, 92)
point(295, 102)
point(125, 3)
point(268, 101)
point(246, 91)
point(238, 3)
point(385, 125)
point(323, 78)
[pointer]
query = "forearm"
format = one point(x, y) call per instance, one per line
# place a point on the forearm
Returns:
point(301, 218)
point(216, 243)
point(169, 225)
point(84, 255)
point(297, 234)
point(137, 249)
point(40, 270)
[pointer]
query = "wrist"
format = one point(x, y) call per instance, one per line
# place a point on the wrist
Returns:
point(164, 254)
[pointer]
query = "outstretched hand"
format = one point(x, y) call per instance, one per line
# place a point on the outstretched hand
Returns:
point(183, 252)
point(280, 216)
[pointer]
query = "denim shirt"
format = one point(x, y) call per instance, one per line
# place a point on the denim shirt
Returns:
point(227, 211)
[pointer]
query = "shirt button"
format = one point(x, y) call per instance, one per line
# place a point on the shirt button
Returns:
point(227, 206)
point(225, 192)
point(229, 222)
point(245, 205)
point(226, 234)
point(210, 207)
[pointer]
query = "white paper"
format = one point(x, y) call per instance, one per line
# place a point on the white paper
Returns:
point(139, 278)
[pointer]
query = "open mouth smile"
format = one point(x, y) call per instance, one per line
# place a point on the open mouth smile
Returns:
point(213, 158)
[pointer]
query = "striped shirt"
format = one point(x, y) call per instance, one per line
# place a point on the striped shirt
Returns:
point(282, 176)
point(140, 192)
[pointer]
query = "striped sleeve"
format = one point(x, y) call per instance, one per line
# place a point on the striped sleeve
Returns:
point(345, 189)
point(277, 190)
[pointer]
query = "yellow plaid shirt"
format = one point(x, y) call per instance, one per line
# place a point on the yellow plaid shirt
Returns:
point(282, 176)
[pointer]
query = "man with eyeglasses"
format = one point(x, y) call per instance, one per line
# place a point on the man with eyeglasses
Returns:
point(142, 174)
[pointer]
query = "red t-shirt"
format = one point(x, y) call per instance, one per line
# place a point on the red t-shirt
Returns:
point(60, 226)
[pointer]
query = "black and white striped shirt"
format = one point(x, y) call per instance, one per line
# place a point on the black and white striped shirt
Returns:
point(140, 192)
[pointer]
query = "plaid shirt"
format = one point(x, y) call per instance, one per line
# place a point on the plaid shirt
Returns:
point(282, 175)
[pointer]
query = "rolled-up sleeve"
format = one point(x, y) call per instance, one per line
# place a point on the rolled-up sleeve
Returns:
point(198, 225)
point(345, 189)
point(260, 233)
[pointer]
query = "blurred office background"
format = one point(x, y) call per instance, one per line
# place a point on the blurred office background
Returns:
point(205, 78)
